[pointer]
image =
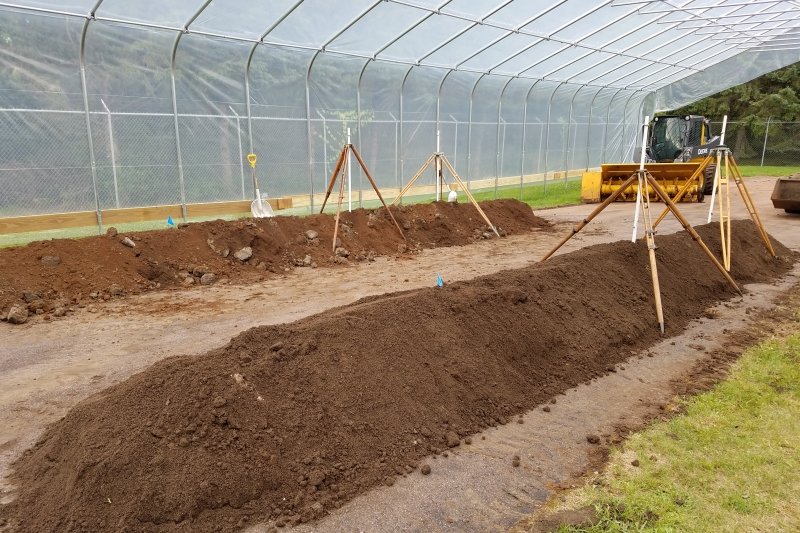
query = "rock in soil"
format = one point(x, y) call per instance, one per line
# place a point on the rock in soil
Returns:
point(208, 278)
point(50, 260)
point(425, 469)
point(244, 254)
point(128, 242)
point(17, 315)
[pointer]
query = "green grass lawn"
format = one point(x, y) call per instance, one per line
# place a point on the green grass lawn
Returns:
point(730, 463)
point(755, 170)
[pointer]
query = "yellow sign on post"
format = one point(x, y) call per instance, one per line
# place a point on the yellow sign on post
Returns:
point(251, 158)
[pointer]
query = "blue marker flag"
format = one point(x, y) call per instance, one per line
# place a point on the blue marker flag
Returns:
point(439, 280)
point(170, 222)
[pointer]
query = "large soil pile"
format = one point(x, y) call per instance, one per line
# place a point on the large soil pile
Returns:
point(289, 421)
point(50, 276)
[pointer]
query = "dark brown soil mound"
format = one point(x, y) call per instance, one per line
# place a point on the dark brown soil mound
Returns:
point(54, 274)
point(289, 421)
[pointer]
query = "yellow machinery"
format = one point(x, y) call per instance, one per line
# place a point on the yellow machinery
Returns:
point(678, 151)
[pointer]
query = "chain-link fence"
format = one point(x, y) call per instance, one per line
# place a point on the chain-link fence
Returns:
point(46, 167)
point(763, 143)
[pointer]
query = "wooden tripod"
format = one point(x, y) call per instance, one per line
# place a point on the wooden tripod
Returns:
point(440, 162)
point(722, 190)
point(338, 172)
point(647, 181)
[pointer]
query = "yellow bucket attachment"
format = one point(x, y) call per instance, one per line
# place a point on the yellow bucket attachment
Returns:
point(597, 186)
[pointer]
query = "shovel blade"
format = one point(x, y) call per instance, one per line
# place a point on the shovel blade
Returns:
point(261, 209)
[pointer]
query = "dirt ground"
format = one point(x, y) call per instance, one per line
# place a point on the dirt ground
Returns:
point(46, 369)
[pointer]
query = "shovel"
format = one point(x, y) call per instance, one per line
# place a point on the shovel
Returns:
point(259, 208)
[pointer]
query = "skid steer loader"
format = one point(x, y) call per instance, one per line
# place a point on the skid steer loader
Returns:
point(678, 150)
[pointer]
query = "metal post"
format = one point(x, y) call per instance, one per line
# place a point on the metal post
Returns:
point(401, 146)
point(469, 132)
point(176, 42)
point(605, 127)
point(497, 145)
point(241, 154)
point(455, 142)
point(566, 141)
point(547, 135)
point(324, 145)
point(589, 128)
point(113, 155)
point(766, 135)
point(396, 148)
point(92, 161)
point(524, 135)
point(358, 125)
point(624, 124)
point(349, 173)
point(309, 140)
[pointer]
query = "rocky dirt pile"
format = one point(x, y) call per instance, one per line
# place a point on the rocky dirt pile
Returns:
point(50, 277)
point(287, 422)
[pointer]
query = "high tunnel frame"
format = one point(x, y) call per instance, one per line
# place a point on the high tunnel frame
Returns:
point(711, 38)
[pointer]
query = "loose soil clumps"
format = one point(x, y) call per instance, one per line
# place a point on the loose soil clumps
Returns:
point(290, 421)
point(50, 277)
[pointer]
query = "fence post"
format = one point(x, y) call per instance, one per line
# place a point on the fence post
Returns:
point(113, 156)
point(766, 136)
point(241, 155)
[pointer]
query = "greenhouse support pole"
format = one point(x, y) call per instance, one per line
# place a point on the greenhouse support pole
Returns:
point(605, 127)
point(766, 136)
point(401, 149)
point(324, 143)
point(113, 154)
point(497, 145)
point(469, 131)
point(438, 170)
point(241, 153)
point(309, 140)
point(455, 141)
point(624, 125)
point(396, 148)
point(524, 135)
point(176, 42)
point(547, 134)
point(247, 82)
point(358, 128)
point(566, 141)
point(589, 128)
point(85, 94)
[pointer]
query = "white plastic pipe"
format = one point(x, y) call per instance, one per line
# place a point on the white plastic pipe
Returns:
point(349, 174)
point(717, 170)
point(438, 169)
point(642, 158)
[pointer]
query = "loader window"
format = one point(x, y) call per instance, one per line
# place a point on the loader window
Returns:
point(667, 139)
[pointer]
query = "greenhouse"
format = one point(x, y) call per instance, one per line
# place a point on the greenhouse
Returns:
point(112, 104)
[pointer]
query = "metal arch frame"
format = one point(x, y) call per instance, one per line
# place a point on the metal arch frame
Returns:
point(308, 93)
point(589, 128)
point(569, 126)
point(625, 120)
point(547, 134)
point(401, 148)
point(524, 135)
point(697, 17)
point(84, 90)
point(653, 49)
point(175, 43)
point(618, 38)
point(358, 125)
point(410, 28)
point(497, 141)
point(689, 45)
point(469, 128)
point(463, 31)
point(506, 28)
point(638, 43)
point(509, 33)
point(605, 126)
point(249, 63)
point(566, 47)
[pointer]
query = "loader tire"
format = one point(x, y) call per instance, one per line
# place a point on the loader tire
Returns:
point(708, 179)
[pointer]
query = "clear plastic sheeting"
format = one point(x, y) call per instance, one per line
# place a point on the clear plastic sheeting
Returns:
point(110, 104)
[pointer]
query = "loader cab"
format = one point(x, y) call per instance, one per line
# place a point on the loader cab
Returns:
point(673, 137)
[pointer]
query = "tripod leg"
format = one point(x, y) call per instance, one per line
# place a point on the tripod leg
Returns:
point(336, 170)
point(339, 204)
point(651, 251)
point(412, 181)
point(688, 227)
point(469, 194)
point(751, 206)
point(375, 187)
point(608, 201)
